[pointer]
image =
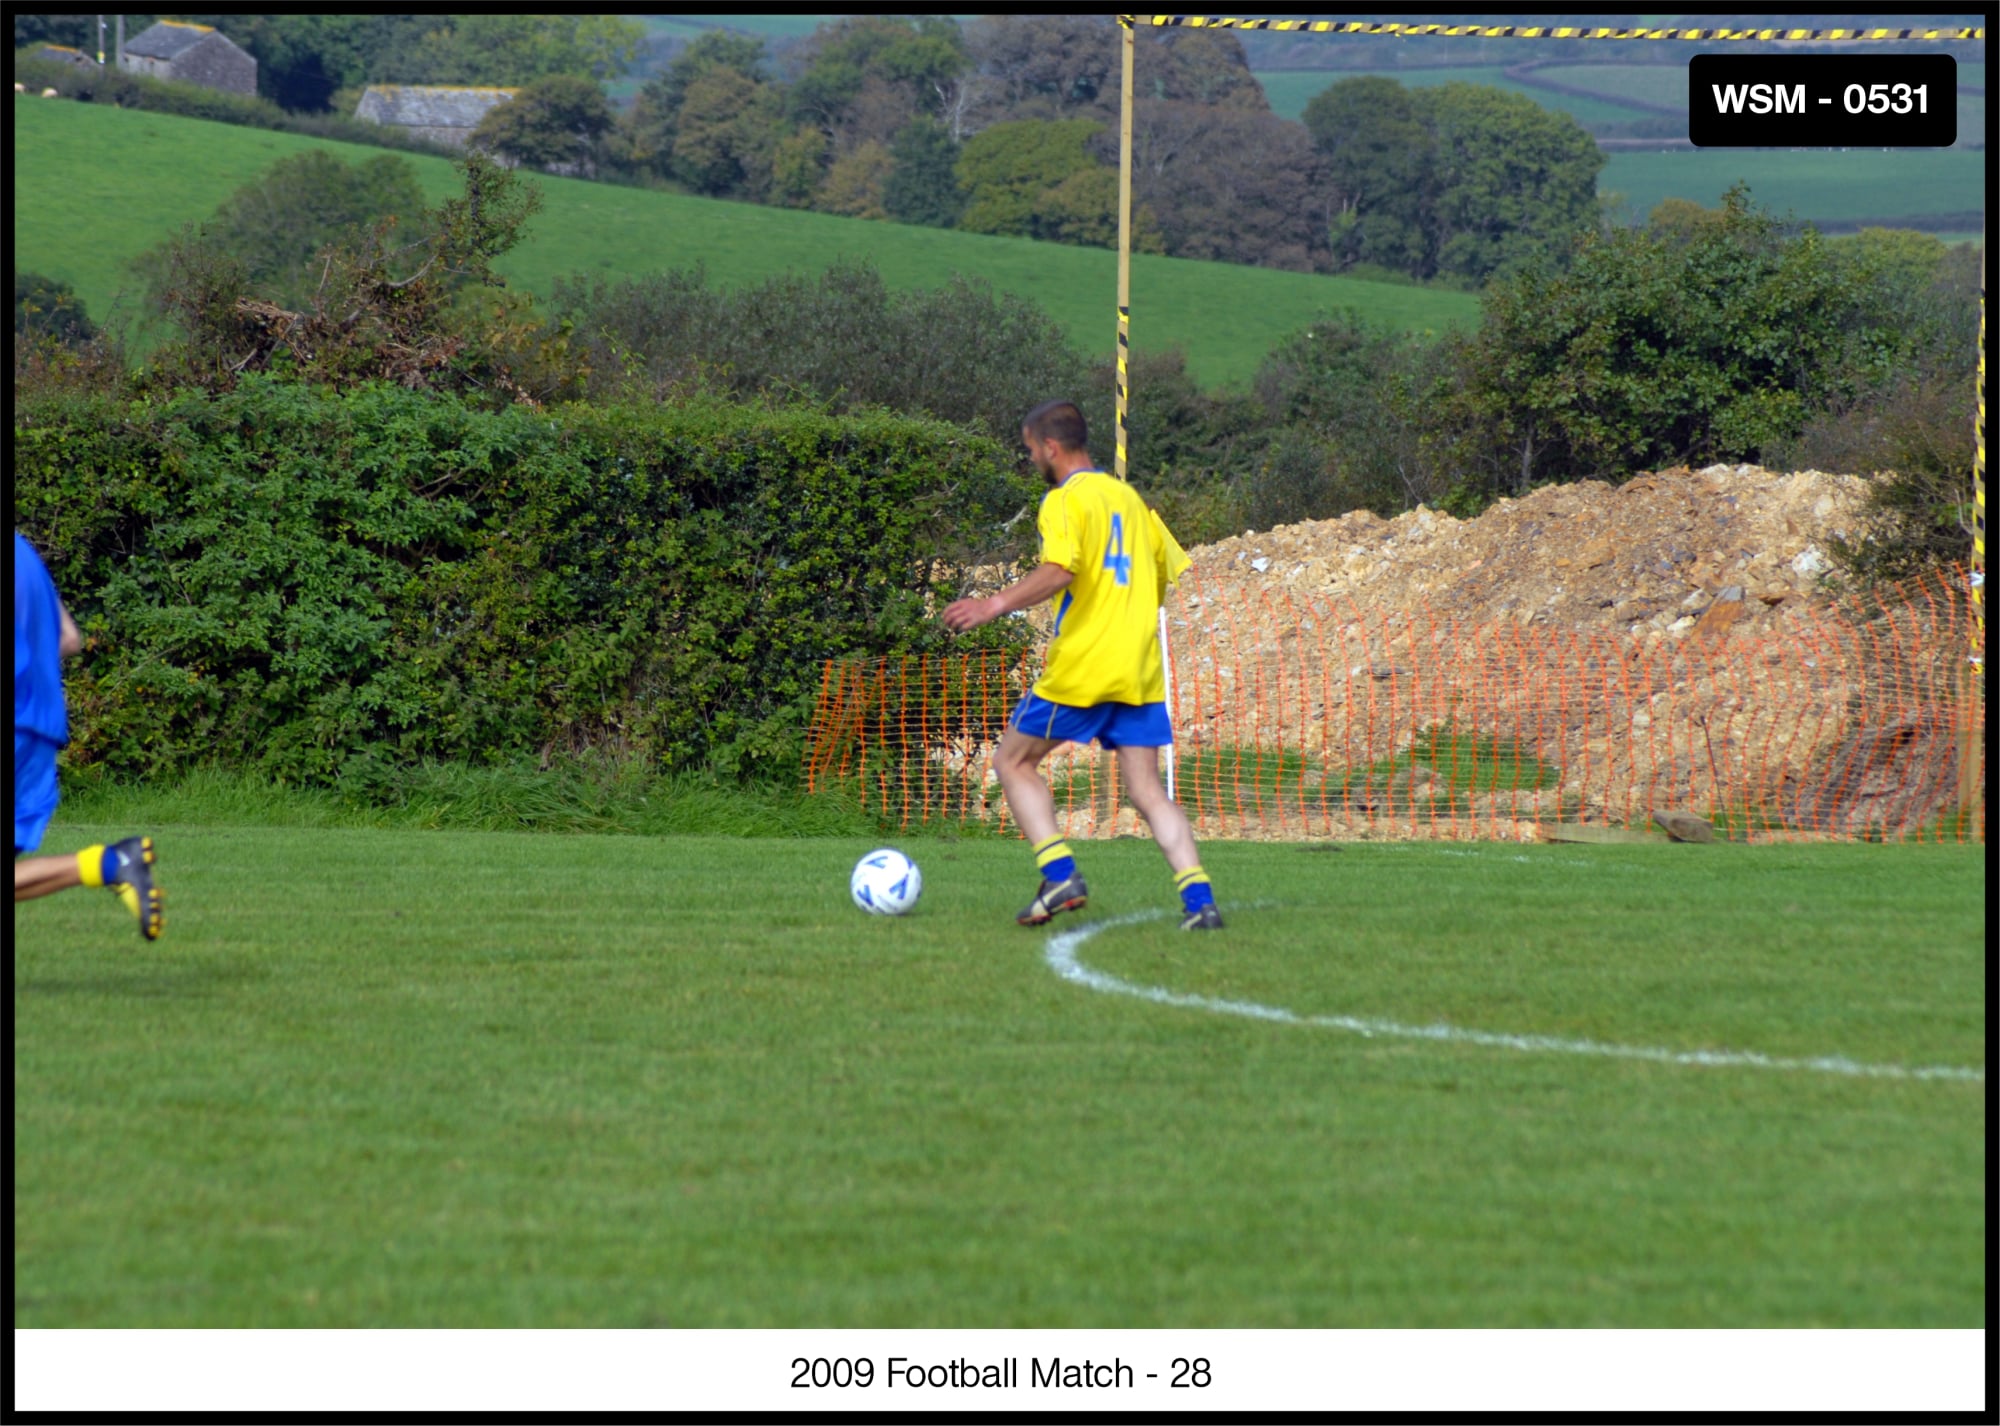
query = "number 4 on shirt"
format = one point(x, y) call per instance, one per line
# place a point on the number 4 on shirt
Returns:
point(1115, 558)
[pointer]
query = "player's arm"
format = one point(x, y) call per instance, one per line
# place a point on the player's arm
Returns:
point(1042, 582)
point(70, 642)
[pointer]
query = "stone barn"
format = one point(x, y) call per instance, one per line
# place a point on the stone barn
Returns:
point(63, 54)
point(191, 54)
point(440, 113)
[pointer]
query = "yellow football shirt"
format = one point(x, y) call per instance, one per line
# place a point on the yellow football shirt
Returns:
point(1121, 558)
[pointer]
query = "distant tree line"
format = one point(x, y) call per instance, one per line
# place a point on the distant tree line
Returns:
point(1006, 124)
point(1707, 334)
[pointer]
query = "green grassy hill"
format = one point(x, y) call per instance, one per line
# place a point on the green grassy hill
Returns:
point(1821, 185)
point(95, 186)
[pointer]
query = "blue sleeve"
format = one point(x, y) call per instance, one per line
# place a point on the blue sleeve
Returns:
point(38, 697)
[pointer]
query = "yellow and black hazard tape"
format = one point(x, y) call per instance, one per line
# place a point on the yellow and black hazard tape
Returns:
point(1124, 388)
point(1532, 32)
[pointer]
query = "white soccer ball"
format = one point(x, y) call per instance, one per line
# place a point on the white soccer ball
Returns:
point(886, 882)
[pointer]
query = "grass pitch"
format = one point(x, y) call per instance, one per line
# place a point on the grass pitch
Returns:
point(405, 1078)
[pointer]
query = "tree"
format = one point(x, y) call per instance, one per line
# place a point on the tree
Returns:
point(1228, 184)
point(1898, 265)
point(1068, 66)
point(1082, 209)
point(48, 307)
point(273, 228)
point(798, 165)
point(727, 125)
point(1513, 181)
point(1046, 66)
point(1377, 152)
point(554, 123)
point(653, 122)
point(1681, 221)
point(1460, 180)
point(855, 183)
point(1196, 67)
point(1006, 169)
point(512, 48)
point(923, 187)
point(74, 31)
point(866, 77)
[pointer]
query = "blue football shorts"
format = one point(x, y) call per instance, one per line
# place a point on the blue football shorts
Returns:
point(34, 789)
point(1113, 725)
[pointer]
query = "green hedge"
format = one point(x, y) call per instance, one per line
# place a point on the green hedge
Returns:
point(331, 587)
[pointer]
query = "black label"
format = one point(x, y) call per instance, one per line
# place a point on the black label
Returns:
point(1823, 101)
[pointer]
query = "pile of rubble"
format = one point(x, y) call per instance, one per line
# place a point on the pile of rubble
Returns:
point(1667, 642)
point(1651, 554)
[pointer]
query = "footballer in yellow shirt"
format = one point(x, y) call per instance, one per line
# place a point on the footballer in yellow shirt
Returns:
point(1107, 560)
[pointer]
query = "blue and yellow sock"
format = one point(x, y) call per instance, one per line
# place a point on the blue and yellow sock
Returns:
point(96, 865)
point(1194, 889)
point(1053, 856)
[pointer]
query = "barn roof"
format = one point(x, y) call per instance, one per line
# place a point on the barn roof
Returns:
point(64, 53)
point(168, 38)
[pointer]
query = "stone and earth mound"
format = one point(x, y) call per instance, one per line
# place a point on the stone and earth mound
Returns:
point(1646, 556)
point(1667, 643)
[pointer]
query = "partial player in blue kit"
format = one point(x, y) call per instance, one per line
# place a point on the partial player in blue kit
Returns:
point(45, 635)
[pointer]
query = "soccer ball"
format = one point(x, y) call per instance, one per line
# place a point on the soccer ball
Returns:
point(886, 882)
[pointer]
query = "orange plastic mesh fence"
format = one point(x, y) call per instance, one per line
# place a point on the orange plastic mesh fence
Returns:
point(1300, 716)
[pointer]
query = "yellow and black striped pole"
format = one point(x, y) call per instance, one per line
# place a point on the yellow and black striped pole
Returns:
point(1124, 238)
point(1107, 764)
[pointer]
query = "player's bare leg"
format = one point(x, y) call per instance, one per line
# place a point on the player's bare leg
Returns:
point(1140, 768)
point(43, 876)
point(1017, 763)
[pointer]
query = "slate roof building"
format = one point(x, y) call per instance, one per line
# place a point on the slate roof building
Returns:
point(65, 55)
point(441, 113)
point(191, 54)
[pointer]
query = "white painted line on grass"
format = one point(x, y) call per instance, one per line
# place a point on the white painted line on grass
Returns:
point(1061, 954)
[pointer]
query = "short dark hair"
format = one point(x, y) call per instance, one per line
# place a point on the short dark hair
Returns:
point(1058, 421)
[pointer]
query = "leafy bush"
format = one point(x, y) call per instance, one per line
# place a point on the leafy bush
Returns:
point(961, 353)
point(1916, 433)
point(1913, 426)
point(1681, 343)
point(428, 312)
point(327, 587)
point(276, 225)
